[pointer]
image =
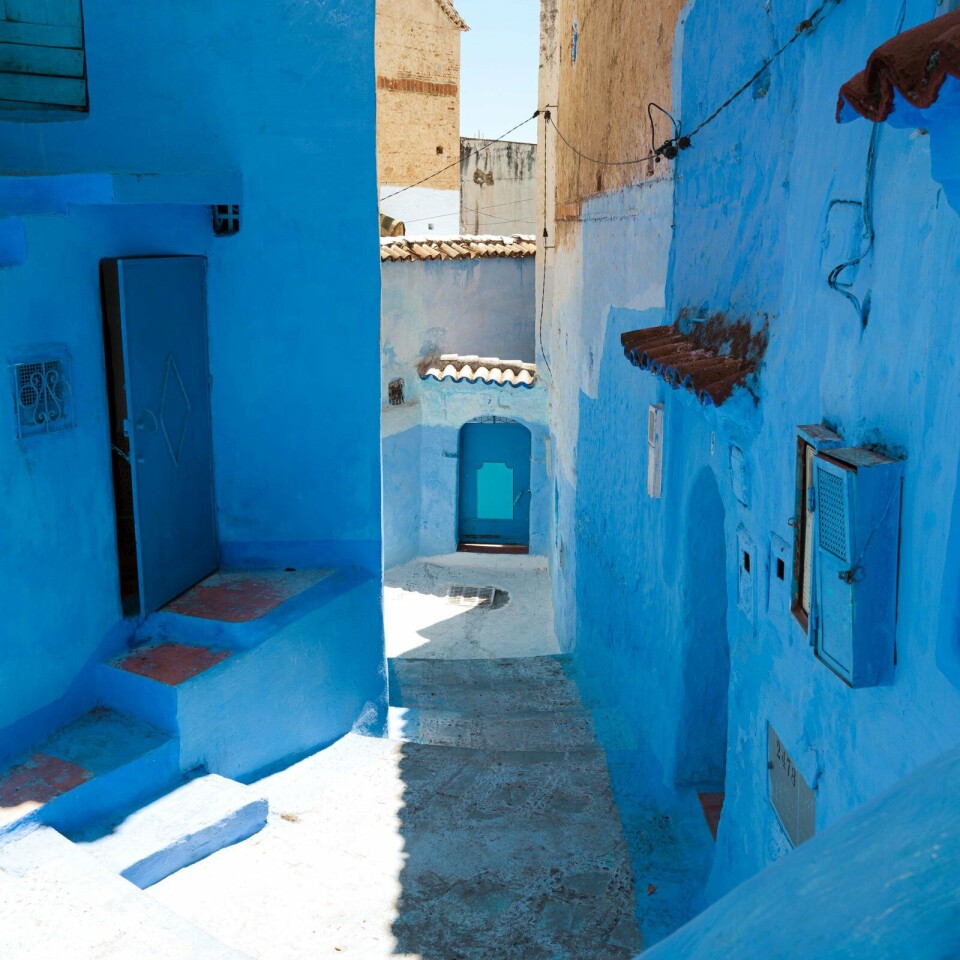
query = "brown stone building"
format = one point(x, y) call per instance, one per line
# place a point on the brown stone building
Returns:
point(418, 96)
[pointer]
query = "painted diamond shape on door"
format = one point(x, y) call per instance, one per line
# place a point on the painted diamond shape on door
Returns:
point(174, 409)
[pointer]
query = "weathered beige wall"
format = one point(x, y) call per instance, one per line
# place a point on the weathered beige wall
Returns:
point(418, 93)
point(623, 62)
point(498, 192)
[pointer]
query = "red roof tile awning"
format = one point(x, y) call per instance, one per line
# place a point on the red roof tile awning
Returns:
point(681, 362)
point(915, 64)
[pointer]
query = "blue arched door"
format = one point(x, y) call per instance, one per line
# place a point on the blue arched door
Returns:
point(495, 483)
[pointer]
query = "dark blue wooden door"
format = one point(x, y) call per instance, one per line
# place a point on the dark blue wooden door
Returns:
point(495, 483)
point(163, 317)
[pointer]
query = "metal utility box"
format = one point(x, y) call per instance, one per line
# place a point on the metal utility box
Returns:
point(857, 541)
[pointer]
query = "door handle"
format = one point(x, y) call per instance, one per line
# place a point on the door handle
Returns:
point(148, 421)
point(519, 495)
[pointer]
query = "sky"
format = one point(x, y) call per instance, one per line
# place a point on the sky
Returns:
point(500, 57)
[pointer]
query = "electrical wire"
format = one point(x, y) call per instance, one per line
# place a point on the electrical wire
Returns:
point(868, 233)
point(802, 28)
point(682, 141)
point(458, 161)
point(493, 206)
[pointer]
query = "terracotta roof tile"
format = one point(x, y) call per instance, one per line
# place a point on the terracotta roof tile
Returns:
point(451, 11)
point(489, 370)
point(678, 360)
point(915, 64)
point(455, 248)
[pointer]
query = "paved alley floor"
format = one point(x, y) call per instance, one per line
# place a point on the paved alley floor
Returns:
point(484, 828)
point(421, 621)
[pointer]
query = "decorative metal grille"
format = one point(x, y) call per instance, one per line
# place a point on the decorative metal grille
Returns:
point(226, 219)
point(461, 596)
point(833, 514)
point(42, 397)
point(395, 392)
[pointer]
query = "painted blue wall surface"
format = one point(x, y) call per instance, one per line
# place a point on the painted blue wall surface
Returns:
point(881, 883)
point(755, 239)
point(191, 105)
point(483, 307)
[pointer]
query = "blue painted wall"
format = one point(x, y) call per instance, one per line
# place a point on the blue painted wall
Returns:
point(754, 239)
point(483, 307)
point(192, 105)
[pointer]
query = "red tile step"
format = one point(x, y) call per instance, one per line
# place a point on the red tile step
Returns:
point(239, 596)
point(171, 663)
point(712, 804)
point(36, 781)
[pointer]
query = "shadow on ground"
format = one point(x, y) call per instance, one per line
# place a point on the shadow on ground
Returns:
point(514, 844)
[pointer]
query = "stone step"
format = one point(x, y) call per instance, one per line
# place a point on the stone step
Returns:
point(315, 668)
point(102, 762)
point(483, 686)
point(145, 681)
point(67, 904)
point(531, 731)
point(181, 827)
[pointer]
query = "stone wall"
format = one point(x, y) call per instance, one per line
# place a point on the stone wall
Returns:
point(623, 57)
point(498, 190)
point(418, 93)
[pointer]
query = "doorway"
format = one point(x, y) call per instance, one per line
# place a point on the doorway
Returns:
point(701, 751)
point(494, 496)
point(155, 342)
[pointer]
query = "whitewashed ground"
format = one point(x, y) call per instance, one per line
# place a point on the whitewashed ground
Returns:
point(422, 623)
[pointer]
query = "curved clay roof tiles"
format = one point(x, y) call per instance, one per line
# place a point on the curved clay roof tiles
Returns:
point(915, 64)
point(678, 361)
point(451, 11)
point(492, 371)
point(456, 248)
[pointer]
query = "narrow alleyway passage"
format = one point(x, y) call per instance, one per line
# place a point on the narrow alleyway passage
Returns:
point(485, 826)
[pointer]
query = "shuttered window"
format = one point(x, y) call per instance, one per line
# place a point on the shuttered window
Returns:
point(42, 62)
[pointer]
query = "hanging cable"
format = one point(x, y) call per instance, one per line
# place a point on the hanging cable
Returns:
point(866, 208)
point(682, 141)
point(458, 161)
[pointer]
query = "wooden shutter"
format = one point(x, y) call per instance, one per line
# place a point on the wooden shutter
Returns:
point(42, 60)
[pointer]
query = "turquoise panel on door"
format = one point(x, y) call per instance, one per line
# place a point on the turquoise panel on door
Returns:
point(495, 483)
point(162, 305)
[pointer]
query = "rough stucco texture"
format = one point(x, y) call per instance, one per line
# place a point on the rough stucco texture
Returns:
point(498, 192)
point(622, 63)
point(210, 97)
point(482, 307)
point(756, 237)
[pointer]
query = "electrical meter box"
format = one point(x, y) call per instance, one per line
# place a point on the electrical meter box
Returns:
point(856, 501)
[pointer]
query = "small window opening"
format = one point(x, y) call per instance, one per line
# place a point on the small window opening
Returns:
point(781, 569)
point(575, 43)
point(746, 561)
point(226, 219)
point(395, 391)
point(439, 151)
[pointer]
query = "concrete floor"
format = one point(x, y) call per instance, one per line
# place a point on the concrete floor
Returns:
point(486, 829)
point(422, 623)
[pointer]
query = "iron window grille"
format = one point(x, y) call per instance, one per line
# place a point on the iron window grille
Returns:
point(395, 392)
point(43, 401)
